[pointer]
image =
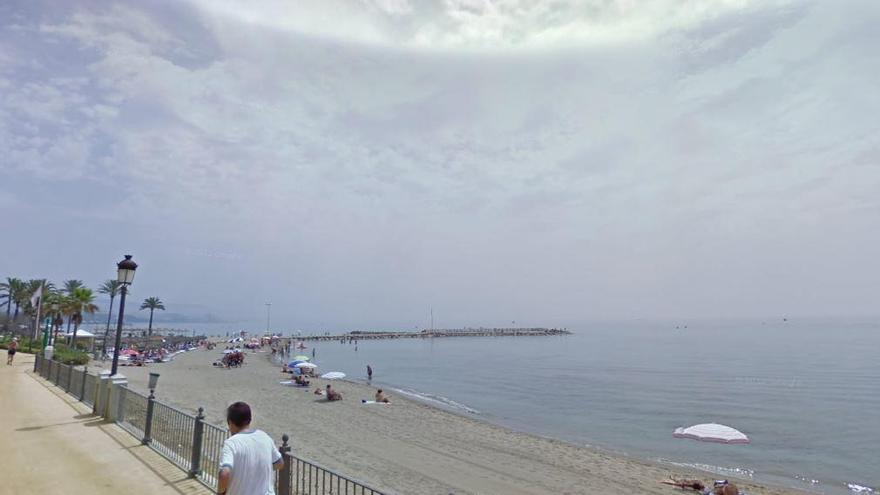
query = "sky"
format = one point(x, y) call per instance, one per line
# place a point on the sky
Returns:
point(360, 162)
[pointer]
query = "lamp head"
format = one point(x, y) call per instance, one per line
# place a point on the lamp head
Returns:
point(125, 270)
point(154, 380)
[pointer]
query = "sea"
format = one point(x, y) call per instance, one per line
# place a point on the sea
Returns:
point(806, 392)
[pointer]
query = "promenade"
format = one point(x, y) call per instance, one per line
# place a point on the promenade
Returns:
point(50, 443)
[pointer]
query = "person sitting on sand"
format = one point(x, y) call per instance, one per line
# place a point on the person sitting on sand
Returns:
point(318, 391)
point(725, 487)
point(332, 394)
point(381, 397)
point(301, 381)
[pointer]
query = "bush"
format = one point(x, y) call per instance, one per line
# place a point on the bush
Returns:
point(66, 355)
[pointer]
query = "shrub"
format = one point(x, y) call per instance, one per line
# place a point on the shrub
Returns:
point(66, 355)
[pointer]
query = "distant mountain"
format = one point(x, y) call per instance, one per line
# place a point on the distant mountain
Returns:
point(158, 317)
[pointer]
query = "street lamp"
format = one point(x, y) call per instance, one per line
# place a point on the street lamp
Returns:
point(125, 276)
point(47, 337)
point(154, 380)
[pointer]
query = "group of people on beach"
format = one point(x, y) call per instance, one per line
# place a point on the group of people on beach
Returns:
point(232, 359)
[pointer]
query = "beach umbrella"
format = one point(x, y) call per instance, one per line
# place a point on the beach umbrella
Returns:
point(306, 365)
point(294, 363)
point(333, 375)
point(301, 358)
point(711, 432)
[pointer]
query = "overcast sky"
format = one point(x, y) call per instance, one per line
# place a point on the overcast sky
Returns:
point(357, 162)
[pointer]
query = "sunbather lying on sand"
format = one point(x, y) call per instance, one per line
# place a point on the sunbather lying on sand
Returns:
point(721, 487)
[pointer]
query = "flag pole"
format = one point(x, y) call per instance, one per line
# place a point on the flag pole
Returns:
point(39, 310)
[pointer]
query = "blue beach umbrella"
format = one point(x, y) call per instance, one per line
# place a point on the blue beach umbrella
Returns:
point(294, 363)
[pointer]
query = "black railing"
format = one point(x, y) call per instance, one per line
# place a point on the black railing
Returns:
point(302, 477)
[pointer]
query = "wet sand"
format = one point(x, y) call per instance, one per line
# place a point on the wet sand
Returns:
point(406, 447)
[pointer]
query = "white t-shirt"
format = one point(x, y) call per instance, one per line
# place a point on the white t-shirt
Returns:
point(250, 454)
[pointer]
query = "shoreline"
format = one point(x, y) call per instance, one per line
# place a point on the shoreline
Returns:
point(410, 446)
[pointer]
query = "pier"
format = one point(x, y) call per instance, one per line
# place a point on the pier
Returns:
point(439, 333)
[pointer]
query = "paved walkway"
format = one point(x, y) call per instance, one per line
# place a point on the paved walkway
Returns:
point(50, 443)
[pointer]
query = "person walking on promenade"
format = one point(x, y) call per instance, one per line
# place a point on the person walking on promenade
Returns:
point(248, 458)
point(10, 352)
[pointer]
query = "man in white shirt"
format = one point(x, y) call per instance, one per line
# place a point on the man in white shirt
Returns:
point(249, 456)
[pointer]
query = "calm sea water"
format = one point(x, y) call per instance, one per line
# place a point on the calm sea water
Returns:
point(806, 393)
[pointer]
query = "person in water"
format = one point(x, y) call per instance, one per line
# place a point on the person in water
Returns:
point(381, 397)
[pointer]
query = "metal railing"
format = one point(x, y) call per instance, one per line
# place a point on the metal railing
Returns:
point(302, 477)
point(134, 413)
point(188, 441)
point(212, 449)
point(172, 435)
point(90, 383)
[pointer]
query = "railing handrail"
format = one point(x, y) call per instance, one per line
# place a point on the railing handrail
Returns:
point(334, 473)
point(130, 390)
point(159, 402)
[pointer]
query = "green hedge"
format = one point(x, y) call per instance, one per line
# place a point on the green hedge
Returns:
point(66, 355)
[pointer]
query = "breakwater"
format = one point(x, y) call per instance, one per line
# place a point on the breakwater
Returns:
point(439, 333)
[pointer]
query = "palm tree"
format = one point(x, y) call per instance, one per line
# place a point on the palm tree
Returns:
point(18, 294)
point(82, 300)
point(69, 287)
point(110, 287)
point(152, 303)
point(7, 291)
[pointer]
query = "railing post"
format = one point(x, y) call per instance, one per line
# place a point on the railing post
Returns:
point(197, 443)
point(36, 361)
point(82, 389)
point(148, 423)
point(102, 394)
point(284, 474)
point(69, 377)
point(115, 405)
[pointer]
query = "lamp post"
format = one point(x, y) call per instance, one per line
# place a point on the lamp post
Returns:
point(268, 312)
point(125, 276)
point(53, 310)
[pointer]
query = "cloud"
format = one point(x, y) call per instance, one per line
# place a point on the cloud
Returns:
point(484, 24)
point(490, 157)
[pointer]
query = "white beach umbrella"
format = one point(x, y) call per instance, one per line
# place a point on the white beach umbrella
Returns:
point(711, 432)
point(306, 365)
point(333, 375)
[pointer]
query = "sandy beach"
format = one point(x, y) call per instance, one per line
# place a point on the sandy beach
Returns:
point(406, 447)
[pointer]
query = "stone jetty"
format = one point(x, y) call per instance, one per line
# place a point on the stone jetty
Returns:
point(430, 334)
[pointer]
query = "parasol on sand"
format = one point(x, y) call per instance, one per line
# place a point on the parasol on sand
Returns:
point(711, 432)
